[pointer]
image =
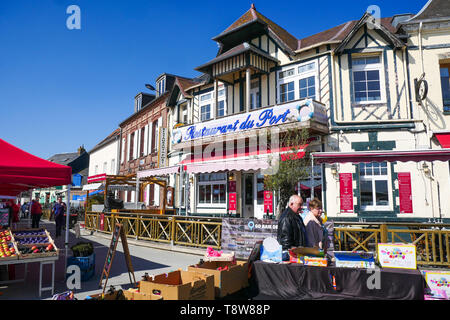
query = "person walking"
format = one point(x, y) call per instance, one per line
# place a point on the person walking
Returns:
point(36, 212)
point(58, 211)
point(15, 214)
point(291, 230)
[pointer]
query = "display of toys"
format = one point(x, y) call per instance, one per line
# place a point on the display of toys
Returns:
point(8, 251)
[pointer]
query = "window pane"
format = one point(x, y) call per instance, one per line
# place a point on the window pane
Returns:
point(382, 197)
point(216, 193)
point(303, 93)
point(360, 96)
point(374, 95)
point(207, 194)
point(360, 86)
point(307, 67)
point(260, 190)
point(373, 75)
point(222, 194)
point(311, 81)
point(221, 109)
point(373, 85)
point(445, 86)
point(366, 193)
point(303, 83)
point(205, 97)
point(201, 194)
point(372, 60)
point(359, 75)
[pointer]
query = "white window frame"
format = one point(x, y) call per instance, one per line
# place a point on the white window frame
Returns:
point(220, 98)
point(373, 178)
point(254, 93)
point(211, 183)
point(296, 77)
point(204, 100)
point(370, 67)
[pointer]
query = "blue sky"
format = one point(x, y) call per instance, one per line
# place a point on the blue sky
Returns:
point(62, 88)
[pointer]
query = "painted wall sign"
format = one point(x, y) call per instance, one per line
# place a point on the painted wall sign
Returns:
point(290, 112)
point(346, 192)
point(268, 201)
point(162, 152)
point(405, 192)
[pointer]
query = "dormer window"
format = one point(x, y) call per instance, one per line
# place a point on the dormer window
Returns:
point(161, 86)
point(138, 103)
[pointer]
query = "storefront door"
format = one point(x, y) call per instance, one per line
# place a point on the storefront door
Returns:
point(259, 196)
point(248, 196)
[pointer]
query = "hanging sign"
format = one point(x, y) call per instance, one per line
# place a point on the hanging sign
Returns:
point(268, 202)
point(162, 154)
point(232, 202)
point(346, 192)
point(404, 192)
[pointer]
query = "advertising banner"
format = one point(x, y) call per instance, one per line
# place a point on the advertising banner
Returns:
point(346, 192)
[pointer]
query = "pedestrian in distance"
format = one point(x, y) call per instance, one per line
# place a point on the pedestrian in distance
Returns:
point(291, 230)
point(58, 211)
point(36, 213)
point(15, 214)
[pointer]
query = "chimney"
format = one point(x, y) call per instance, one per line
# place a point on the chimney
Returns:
point(81, 150)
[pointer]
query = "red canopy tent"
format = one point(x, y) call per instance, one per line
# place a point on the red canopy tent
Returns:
point(21, 171)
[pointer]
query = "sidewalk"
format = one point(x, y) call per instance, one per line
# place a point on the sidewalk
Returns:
point(143, 258)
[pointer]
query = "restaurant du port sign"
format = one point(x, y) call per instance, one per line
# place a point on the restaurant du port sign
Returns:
point(298, 111)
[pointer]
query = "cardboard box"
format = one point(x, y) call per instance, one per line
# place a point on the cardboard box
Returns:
point(134, 294)
point(314, 261)
point(180, 285)
point(225, 281)
point(347, 259)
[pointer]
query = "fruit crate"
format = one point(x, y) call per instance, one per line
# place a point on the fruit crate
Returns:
point(32, 255)
point(36, 234)
point(11, 243)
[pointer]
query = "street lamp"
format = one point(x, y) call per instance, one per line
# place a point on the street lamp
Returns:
point(152, 88)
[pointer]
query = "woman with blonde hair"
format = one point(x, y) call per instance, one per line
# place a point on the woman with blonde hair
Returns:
point(315, 234)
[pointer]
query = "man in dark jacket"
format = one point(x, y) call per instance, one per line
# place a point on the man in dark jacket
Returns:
point(58, 211)
point(291, 230)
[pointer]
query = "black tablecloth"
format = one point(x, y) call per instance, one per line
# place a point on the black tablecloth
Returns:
point(297, 282)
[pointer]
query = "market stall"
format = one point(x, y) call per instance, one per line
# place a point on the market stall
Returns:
point(21, 171)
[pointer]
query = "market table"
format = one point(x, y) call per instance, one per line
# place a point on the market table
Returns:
point(42, 261)
point(297, 282)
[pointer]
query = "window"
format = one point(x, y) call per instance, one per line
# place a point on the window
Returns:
point(307, 88)
point(374, 187)
point(105, 164)
point(445, 85)
point(131, 142)
point(113, 166)
point(287, 92)
point(96, 169)
point(138, 103)
point(161, 87)
point(298, 83)
point(260, 189)
point(142, 143)
point(184, 114)
point(221, 108)
point(205, 112)
point(255, 98)
point(212, 188)
point(366, 79)
point(287, 73)
point(155, 136)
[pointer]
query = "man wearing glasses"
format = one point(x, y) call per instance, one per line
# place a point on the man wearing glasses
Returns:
point(291, 229)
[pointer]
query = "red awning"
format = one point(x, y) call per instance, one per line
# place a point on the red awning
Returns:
point(444, 139)
point(20, 171)
point(381, 156)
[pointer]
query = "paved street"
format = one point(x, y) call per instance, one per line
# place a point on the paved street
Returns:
point(144, 259)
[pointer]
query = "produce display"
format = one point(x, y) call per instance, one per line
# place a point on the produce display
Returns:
point(7, 247)
point(33, 243)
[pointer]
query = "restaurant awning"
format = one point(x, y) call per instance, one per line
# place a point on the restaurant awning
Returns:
point(443, 138)
point(261, 163)
point(381, 156)
point(158, 172)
